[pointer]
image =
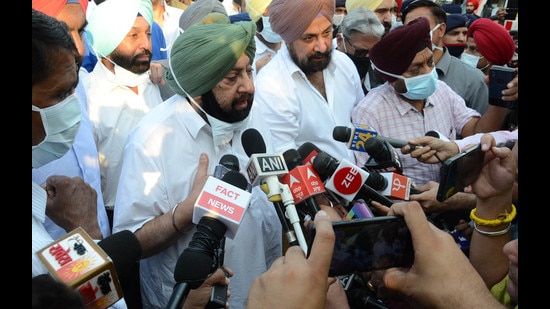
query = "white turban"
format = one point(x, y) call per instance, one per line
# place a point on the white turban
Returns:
point(111, 21)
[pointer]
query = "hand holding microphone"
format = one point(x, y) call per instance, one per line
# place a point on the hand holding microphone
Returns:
point(218, 212)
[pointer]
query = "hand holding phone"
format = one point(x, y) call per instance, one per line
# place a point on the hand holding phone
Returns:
point(369, 244)
point(459, 171)
point(499, 77)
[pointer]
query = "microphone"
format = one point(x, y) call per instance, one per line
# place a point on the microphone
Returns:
point(382, 157)
point(359, 210)
point(303, 181)
point(218, 211)
point(346, 179)
point(92, 269)
point(197, 260)
point(264, 170)
point(228, 162)
point(355, 137)
point(392, 185)
point(359, 134)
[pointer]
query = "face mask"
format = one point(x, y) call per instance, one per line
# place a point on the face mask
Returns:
point(361, 63)
point(127, 78)
point(419, 87)
point(267, 33)
point(61, 123)
point(337, 19)
point(222, 132)
point(469, 59)
point(431, 37)
point(455, 49)
point(394, 22)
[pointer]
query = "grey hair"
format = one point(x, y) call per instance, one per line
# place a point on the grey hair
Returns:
point(362, 20)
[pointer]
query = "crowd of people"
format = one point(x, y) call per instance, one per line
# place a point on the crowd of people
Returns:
point(135, 102)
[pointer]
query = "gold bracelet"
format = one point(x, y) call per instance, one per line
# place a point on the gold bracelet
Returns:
point(174, 221)
point(493, 234)
point(502, 218)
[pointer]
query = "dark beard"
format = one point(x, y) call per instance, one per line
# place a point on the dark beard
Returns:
point(308, 66)
point(130, 63)
point(212, 107)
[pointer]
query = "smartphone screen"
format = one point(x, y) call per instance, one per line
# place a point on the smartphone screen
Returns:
point(369, 244)
point(459, 171)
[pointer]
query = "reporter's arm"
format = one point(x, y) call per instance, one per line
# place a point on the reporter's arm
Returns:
point(493, 188)
point(464, 288)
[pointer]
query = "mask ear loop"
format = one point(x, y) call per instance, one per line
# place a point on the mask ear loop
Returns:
point(179, 85)
point(344, 42)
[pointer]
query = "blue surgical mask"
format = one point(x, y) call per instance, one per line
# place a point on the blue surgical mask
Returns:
point(418, 87)
point(267, 33)
point(470, 59)
point(61, 123)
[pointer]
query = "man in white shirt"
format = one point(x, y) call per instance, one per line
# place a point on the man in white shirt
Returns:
point(169, 152)
point(120, 92)
point(308, 88)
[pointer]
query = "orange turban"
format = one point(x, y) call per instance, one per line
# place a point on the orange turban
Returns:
point(290, 18)
point(53, 7)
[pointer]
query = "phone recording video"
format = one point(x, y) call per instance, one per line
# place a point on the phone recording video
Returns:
point(369, 244)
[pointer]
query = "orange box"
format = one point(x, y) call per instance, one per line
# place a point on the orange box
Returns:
point(79, 262)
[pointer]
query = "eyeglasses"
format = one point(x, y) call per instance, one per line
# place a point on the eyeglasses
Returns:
point(356, 52)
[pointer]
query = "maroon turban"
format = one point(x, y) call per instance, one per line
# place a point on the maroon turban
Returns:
point(291, 18)
point(397, 49)
point(493, 40)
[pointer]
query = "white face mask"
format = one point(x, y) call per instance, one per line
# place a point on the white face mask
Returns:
point(61, 123)
point(431, 37)
point(222, 132)
point(127, 78)
point(267, 33)
point(470, 60)
point(337, 19)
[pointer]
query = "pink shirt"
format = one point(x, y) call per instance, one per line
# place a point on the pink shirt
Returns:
point(384, 110)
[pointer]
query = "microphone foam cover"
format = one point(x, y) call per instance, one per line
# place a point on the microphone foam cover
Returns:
point(124, 250)
point(236, 179)
point(253, 142)
point(292, 158)
point(341, 134)
point(230, 161)
point(324, 165)
point(307, 148)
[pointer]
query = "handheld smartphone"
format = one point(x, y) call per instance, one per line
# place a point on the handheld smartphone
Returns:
point(459, 171)
point(368, 244)
point(499, 77)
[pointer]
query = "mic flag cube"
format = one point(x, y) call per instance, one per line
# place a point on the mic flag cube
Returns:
point(79, 262)
point(262, 165)
point(303, 182)
point(347, 180)
point(222, 201)
point(360, 133)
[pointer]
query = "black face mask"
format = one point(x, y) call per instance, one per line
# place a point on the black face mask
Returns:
point(362, 64)
point(455, 50)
